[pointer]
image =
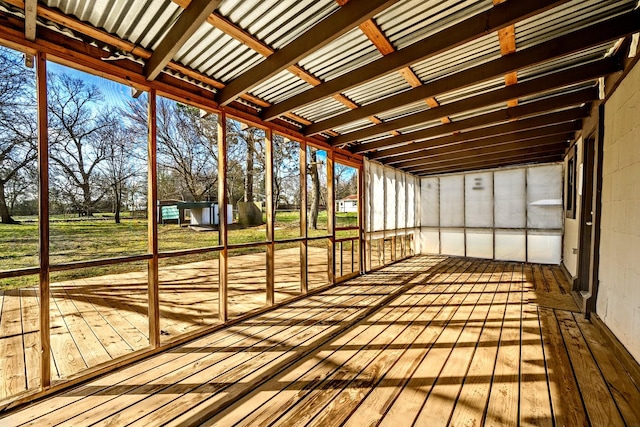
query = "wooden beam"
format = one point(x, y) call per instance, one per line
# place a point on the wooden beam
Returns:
point(231, 29)
point(575, 41)
point(487, 146)
point(560, 131)
point(467, 30)
point(503, 115)
point(529, 153)
point(496, 158)
point(43, 223)
point(223, 261)
point(316, 37)
point(541, 125)
point(152, 223)
point(30, 19)
point(187, 24)
point(555, 80)
point(491, 164)
point(271, 247)
point(377, 37)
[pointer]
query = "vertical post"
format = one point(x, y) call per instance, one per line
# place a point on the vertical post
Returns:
point(331, 220)
point(222, 216)
point(304, 268)
point(384, 216)
point(362, 253)
point(43, 222)
point(268, 144)
point(152, 225)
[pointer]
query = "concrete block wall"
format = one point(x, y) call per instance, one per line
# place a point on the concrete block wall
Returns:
point(618, 300)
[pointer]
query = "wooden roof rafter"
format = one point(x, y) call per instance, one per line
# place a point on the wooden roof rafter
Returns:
point(503, 115)
point(491, 151)
point(558, 47)
point(316, 37)
point(185, 26)
point(469, 29)
point(555, 155)
point(554, 48)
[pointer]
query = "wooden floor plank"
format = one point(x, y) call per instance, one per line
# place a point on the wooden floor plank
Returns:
point(567, 404)
point(409, 401)
point(125, 380)
point(440, 404)
point(623, 389)
point(535, 403)
point(431, 340)
point(601, 408)
point(158, 379)
point(31, 336)
point(12, 374)
point(270, 399)
point(473, 397)
point(504, 398)
point(182, 390)
point(333, 407)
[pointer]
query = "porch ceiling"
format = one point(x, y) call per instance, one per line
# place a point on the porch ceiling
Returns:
point(427, 86)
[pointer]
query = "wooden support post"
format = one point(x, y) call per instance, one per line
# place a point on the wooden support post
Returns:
point(268, 143)
point(362, 253)
point(43, 220)
point(222, 217)
point(152, 225)
point(331, 220)
point(304, 268)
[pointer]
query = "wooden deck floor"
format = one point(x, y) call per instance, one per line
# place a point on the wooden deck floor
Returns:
point(98, 319)
point(428, 341)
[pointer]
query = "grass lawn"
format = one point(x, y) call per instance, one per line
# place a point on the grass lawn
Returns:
point(81, 240)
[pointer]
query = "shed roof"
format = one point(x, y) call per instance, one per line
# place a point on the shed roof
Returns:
point(405, 82)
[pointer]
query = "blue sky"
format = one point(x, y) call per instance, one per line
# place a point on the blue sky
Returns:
point(114, 93)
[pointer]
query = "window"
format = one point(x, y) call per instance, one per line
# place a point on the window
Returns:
point(570, 180)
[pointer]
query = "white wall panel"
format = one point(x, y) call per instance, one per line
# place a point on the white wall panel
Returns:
point(401, 200)
point(429, 202)
point(478, 195)
point(510, 202)
point(390, 199)
point(511, 245)
point(429, 241)
point(479, 243)
point(544, 248)
point(452, 241)
point(411, 201)
point(378, 197)
point(544, 197)
point(452, 201)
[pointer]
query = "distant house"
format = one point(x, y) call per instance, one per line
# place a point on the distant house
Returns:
point(348, 204)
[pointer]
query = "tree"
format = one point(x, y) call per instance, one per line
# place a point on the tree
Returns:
point(315, 187)
point(286, 170)
point(120, 165)
point(78, 121)
point(187, 147)
point(18, 126)
point(346, 181)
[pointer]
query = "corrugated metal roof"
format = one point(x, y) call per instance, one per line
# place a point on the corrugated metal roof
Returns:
point(275, 22)
point(411, 20)
point(143, 22)
point(378, 89)
point(346, 53)
point(323, 109)
point(566, 18)
point(280, 87)
point(217, 54)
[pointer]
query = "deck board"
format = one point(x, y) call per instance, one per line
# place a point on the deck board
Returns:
point(429, 340)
